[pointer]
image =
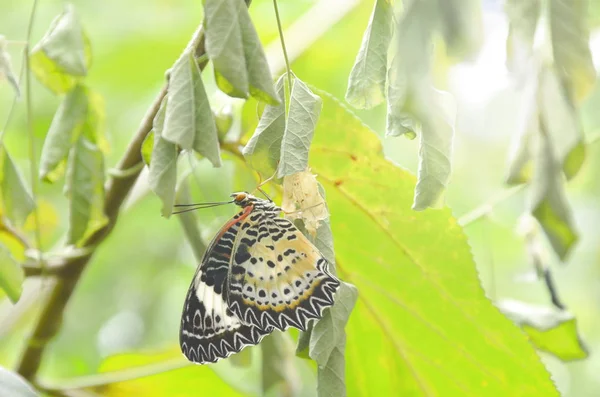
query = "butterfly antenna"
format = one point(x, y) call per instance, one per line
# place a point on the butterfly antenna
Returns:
point(260, 184)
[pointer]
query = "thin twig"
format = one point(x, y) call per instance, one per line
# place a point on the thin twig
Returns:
point(32, 154)
point(123, 375)
point(285, 55)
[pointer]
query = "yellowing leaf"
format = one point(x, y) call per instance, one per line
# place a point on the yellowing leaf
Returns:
point(549, 203)
point(16, 201)
point(63, 55)
point(302, 200)
point(551, 330)
point(11, 276)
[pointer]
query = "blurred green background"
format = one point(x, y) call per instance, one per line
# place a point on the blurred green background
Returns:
point(130, 296)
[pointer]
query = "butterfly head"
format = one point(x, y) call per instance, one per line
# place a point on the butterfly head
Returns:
point(244, 199)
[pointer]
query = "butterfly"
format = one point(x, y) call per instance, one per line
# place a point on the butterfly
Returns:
point(259, 274)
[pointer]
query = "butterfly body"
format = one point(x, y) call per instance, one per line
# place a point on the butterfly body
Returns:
point(258, 274)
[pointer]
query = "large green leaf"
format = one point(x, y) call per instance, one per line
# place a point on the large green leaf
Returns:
point(162, 176)
point(366, 84)
point(188, 118)
point(16, 201)
point(63, 55)
point(11, 277)
point(166, 374)
point(64, 131)
point(572, 56)
point(13, 385)
point(422, 318)
point(85, 188)
point(551, 330)
point(549, 203)
point(233, 46)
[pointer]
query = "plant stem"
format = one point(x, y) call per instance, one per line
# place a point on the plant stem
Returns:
point(285, 55)
point(32, 154)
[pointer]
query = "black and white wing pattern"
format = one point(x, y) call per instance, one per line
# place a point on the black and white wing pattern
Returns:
point(258, 274)
point(282, 280)
point(209, 330)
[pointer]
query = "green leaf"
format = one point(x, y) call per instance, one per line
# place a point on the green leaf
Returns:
point(263, 150)
point(85, 188)
point(328, 332)
point(63, 55)
point(13, 385)
point(6, 66)
point(166, 374)
point(233, 45)
point(399, 121)
point(461, 26)
point(549, 204)
point(260, 79)
point(551, 330)
point(572, 56)
point(435, 148)
point(304, 110)
point(523, 16)
point(162, 176)
point(431, 330)
point(562, 123)
point(64, 131)
point(16, 201)
point(225, 47)
point(188, 119)
point(11, 277)
point(331, 379)
point(189, 223)
point(521, 152)
point(366, 84)
point(148, 147)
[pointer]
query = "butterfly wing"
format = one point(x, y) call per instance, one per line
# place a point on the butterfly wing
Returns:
point(209, 330)
point(278, 277)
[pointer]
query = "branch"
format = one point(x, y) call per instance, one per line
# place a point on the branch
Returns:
point(117, 189)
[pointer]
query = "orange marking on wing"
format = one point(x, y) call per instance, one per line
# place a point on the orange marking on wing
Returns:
point(247, 211)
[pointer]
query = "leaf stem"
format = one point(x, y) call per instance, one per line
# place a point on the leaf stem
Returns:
point(33, 162)
point(285, 55)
